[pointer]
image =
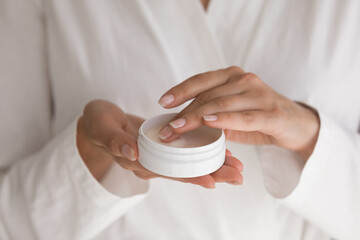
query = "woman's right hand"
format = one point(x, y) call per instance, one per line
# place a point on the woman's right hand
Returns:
point(106, 134)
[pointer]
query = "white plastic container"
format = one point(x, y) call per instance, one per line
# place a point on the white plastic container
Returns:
point(184, 162)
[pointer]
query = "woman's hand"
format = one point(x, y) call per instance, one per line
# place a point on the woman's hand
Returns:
point(106, 134)
point(242, 104)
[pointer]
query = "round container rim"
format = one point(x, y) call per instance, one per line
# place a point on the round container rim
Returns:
point(142, 134)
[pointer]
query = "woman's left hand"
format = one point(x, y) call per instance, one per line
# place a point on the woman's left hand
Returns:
point(245, 107)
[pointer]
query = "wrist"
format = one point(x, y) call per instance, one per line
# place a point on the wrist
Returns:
point(312, 126)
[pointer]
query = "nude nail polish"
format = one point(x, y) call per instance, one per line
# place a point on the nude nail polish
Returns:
point(178, 123)
point(166, 100)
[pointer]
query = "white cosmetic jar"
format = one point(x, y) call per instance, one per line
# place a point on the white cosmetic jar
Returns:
point(181, 162)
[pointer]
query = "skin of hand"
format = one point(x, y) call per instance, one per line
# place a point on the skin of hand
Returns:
point(106, 134)
point(246, 108)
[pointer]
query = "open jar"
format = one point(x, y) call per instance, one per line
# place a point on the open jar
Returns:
point(195, 153)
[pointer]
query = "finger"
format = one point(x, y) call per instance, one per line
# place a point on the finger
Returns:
point(242, 121)
point(195, 85)
point(234, 163)
point(206, 181)
point(132, 165)
point(254, 137)
point(115, 140)
point(235, 85)
point(122, 144)
point(228, 153)
point(166, 134)
point(194, 119)
point(227, 174)
point(108, 127)
point(145, 175)
point(234, 183)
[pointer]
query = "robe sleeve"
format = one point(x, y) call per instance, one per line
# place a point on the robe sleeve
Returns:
point(46, 190)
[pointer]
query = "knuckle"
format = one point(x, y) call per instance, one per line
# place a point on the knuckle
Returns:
point(112, 145)
point(277, 110)
point(251, 78)
point(238, 82)
point(104, 117)
point(270, 104)
point(203, 98)
point(198, 114)
point(181, 91)
point(247, 117)
point(205, 77)
point(200, 77)
point(223, 103)
point(90, 105)
point(193, 117)
point(234, 69)
point(93, 105)
point(229, 117)
point(92, 132)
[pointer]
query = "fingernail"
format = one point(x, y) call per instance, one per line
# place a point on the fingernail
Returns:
point(165, 133)
point(166, 100)
point(178, 123)
point(128, 152)
point(234, 183)
point(210, 118)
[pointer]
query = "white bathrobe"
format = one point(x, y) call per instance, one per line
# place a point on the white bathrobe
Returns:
point(56, 55)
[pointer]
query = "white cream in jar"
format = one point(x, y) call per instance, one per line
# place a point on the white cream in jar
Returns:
point(196, 138)
point(195, 153)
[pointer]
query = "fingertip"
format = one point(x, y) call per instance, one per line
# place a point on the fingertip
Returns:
point(185, 124)
point(212, 124)
point(178, 123)
point(210, 186)
point(210, 183)
point(128, 152)
point(165, 132)
point(173, 137)
point(206, 181)
point(239, 179)
point(234, 162)
point(166, 100)
point(234, 183)
point(228, 153)
point(210, 118)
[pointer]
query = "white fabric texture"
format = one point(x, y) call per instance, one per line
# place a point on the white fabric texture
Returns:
point(55, 56)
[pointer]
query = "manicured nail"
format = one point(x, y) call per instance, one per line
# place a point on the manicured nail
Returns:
point(178, 123)
point(234, 183)
point(210, 118)
point(128, 152)
point(166, 100)
point(165, 133)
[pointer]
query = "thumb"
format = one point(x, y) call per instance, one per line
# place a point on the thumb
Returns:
point(122, 144)
point(117, 141)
